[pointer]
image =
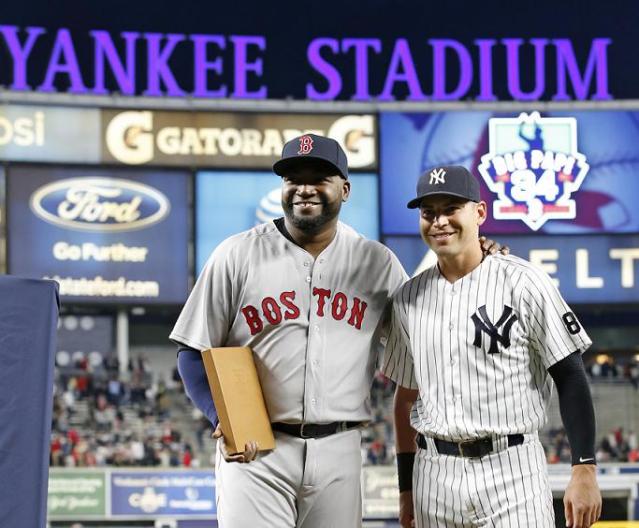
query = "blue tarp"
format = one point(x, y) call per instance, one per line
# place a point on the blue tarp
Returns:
point(28, 322)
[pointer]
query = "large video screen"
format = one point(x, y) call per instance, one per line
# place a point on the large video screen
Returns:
point(107, 236)
point(587, 269)
point(230, 202)
point(554, 172)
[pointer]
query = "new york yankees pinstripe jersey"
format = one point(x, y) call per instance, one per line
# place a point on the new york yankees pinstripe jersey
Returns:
point(480, 348)
point(314, 324)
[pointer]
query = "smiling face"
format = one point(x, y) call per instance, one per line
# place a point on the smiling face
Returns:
point(450, 225)
point(312, 196)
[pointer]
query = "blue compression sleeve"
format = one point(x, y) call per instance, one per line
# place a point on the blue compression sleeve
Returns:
point(196, 385)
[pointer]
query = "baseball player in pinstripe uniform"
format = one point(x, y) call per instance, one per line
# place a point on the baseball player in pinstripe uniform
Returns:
point(309, 296)
point(474, 342)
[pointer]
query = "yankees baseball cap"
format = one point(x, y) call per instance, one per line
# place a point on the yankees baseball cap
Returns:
point(454, 180)
point(323, 150)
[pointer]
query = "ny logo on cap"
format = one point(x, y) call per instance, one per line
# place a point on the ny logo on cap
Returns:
point(437, 176)
point(306, 144)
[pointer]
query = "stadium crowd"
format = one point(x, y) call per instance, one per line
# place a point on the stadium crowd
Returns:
point(104, 418)
point(605, 367)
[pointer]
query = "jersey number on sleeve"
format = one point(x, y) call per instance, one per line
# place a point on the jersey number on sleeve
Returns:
point(571, 323)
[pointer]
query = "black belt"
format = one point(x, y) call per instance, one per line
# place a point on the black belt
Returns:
point(469, 448)
point(311, 430)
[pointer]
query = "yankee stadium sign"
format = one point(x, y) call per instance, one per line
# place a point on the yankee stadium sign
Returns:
point(222, 66)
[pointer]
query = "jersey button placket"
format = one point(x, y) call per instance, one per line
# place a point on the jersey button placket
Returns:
point(314, 350)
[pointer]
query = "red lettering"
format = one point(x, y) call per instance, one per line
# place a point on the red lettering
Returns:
point(322, 295)
point(287, 298)
point(253, 320)
point(272, 310)
point(357, 313)
point(339, 306)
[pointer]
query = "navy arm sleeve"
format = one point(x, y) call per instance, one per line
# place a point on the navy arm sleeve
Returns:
point(575, 405)
point(196, 385)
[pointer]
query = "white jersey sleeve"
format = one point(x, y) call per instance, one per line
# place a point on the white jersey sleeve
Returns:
point(555, 331)
point(207, 315)
point(398, 358)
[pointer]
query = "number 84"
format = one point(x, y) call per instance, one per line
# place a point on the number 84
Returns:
point(525, 185)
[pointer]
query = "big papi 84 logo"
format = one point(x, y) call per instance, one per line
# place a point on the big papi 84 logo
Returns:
point(533, 167)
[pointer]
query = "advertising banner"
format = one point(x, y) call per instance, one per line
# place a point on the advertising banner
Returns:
point(555, 172)
point(182, 493)
point(207, 139)
point(106, 236)
point(230, 202)
point(46, 133)
point(381, 495)
point(76, 494)
point(587, 269)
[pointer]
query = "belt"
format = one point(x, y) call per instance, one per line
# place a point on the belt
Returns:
point(311, 430)
point(469, 448)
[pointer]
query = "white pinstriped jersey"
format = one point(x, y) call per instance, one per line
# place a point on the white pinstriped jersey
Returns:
point(314, 324)
point(478, 349)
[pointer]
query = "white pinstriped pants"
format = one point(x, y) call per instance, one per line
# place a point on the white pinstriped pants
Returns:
point(507, 489)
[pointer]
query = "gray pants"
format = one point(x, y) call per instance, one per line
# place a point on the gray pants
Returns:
point(301, 484)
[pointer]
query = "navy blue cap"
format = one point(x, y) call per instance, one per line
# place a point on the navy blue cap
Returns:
point(312, 147)
point(453, 180)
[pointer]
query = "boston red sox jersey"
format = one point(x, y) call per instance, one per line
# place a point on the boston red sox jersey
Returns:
point(314, 325)
point(478, 349)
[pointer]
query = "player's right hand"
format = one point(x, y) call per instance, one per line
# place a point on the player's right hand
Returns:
point(582, 500)
point(250, 449)
point(406, 511)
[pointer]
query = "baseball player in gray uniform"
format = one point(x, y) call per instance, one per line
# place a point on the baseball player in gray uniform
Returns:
point(308, 295)
point(474, 342)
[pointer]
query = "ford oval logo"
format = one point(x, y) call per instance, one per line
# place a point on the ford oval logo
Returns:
point(99, 204)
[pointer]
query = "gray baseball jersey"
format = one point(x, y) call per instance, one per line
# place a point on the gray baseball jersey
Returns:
point(478, 351)
point(314, 326)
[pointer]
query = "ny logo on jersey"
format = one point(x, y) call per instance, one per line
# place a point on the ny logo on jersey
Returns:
point(306, 144)
point(484, 324)
point(437, 176)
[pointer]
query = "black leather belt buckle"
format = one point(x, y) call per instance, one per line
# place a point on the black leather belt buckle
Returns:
point(309, 430)
point(475, 448)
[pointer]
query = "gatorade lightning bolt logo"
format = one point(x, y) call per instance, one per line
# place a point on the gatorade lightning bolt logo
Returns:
point(306, 144)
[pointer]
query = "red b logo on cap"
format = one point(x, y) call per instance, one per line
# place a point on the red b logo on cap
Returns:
point(306, 144)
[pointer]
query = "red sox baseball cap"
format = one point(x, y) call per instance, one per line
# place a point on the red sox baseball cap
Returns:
point(453, 180)
point(320, 149)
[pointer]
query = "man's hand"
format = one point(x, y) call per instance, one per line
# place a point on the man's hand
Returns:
point(250, 449)
point(406, 511)
point(582, 500)
point(490, 247)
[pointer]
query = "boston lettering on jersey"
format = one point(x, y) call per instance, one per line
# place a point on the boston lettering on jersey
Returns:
point(274, 311)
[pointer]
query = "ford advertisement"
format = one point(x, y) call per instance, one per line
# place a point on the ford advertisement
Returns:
point(105, 236)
